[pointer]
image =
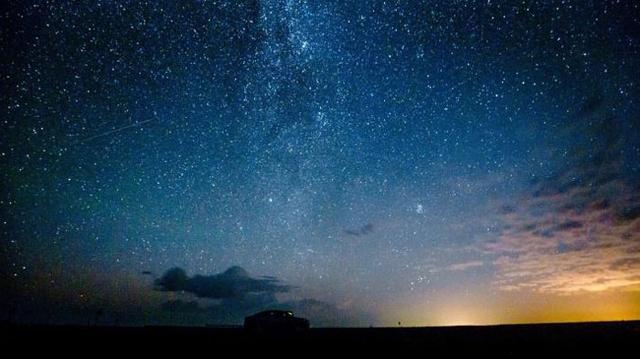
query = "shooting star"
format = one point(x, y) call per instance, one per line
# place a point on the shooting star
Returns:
point(115, 130)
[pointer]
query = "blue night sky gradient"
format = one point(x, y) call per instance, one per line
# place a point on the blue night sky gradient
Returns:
point(380, 159)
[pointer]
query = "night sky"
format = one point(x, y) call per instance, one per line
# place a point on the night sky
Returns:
point(359, 162)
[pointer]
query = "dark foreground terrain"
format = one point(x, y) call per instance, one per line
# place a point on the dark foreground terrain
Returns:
point(606, 338)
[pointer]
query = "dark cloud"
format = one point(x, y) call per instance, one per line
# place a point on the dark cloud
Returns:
point(626, 263)
point(549, 230)
point(546, 233)
point(564, 247)
point(238, 295)
point(507, 209)
point(232, 283)
point(629, 213)
point(362, 231)
point(600, 204)
point(567, 225)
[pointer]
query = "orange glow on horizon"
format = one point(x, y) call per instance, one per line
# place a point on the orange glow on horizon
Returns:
point(516, 308)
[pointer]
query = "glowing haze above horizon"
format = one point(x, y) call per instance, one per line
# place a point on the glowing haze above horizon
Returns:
point(357, 162)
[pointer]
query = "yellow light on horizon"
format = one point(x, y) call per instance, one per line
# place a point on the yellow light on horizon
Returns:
point(515, 308)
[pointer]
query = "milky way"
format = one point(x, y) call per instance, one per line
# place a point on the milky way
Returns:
point(362, 162)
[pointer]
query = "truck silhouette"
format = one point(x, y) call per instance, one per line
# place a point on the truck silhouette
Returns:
point(275, 320)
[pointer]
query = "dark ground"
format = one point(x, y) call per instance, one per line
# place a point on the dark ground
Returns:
point(590, 339)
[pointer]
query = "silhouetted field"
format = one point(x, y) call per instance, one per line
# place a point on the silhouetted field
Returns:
point(604, 338)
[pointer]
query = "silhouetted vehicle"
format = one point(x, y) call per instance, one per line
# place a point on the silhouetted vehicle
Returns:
point(275, 320)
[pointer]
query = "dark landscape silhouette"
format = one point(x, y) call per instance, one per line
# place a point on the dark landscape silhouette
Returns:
point(600, 338)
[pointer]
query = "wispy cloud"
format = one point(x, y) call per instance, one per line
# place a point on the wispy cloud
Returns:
point(579, 229)
point(455, 267)
point(362, 231)
point(465, 266)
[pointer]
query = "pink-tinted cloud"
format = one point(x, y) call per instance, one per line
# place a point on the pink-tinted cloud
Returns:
point(578, 229)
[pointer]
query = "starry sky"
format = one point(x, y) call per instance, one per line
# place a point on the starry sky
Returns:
point(359, 162)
